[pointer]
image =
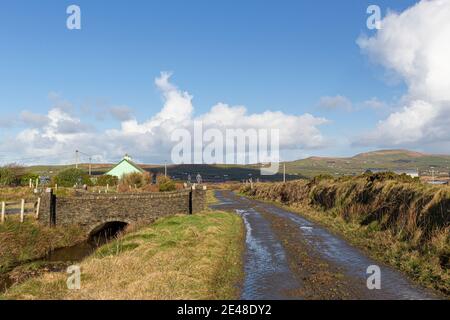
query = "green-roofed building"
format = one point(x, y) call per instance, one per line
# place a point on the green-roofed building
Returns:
point(124, 167)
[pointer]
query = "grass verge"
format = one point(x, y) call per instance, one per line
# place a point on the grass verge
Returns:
point(211, 197)
point(181, 257)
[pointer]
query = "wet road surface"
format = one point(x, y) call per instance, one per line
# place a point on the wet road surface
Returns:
point(289, 257)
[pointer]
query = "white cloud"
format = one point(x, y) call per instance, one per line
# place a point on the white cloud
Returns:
point(149, 140)
point(295, 131)
point(336, 102)
point(415, 45)
point(374, 103)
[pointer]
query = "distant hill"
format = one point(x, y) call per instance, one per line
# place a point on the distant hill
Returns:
point(375, 160)
point(309, 167)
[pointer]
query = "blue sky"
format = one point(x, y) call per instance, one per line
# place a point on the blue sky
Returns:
point(265, 55)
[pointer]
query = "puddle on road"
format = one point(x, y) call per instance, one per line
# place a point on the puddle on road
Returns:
point(267, 275)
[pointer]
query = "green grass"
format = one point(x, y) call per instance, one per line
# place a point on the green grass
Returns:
point(211, 198)
point(181, 257)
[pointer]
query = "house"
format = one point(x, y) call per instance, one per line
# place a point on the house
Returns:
point(124, 167)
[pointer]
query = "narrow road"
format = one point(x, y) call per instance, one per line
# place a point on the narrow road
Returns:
point(289, 257)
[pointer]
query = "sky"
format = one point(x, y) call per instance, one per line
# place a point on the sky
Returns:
point(138, 70)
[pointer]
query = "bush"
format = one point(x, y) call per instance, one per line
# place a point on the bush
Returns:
point(72, 177)
point(165, 184)
point(322, 177)
point(107, 180)
point(10, 175)
point(385, 176)
point(25, 179)
point(133, 179)
point(6, 177)
point(147, 178)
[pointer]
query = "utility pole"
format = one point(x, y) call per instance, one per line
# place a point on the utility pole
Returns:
point(432, 174)
point(165, 168)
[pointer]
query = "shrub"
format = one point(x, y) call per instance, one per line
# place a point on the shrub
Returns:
point(10, 175)
point(385, 176)
point(72, 177)
point(6, 177)
point(25, 179)
point(147, 178)
point(165, 184)
point(107, 180)
point(133, 179)
point(322, 177)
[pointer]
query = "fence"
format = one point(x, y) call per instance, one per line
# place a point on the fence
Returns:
point(22, 208)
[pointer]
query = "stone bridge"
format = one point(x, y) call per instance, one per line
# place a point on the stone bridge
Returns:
point(94, 211)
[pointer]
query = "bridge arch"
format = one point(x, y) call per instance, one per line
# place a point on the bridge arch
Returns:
point(107, 229)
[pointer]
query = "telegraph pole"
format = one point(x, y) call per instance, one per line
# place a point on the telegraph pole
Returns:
point(432, 174)
point(165, 168)
point(76, 159)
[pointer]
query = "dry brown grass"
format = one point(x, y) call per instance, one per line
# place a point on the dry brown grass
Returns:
point(181, 257)
point(15, 193)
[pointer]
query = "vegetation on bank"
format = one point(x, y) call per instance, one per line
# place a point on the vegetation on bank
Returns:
point(22, 242)
point(395, 218)
point(180, 257)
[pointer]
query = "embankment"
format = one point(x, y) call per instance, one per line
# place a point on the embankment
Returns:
point(396, 219)
point(22, 242)
point(180, 257)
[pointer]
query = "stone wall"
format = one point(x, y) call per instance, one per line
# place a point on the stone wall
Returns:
point(92, 210)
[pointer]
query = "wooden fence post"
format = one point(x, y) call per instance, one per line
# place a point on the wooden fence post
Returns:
point(2, 219)
point(38, 207)
point(22, 210)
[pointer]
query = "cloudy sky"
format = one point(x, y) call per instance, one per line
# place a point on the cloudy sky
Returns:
point(137, 70)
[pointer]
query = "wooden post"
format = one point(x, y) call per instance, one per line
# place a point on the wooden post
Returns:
point(56, 187)
point(22, 210)
point(31, 184)
point(2, 219)
point(37, 182)
point(38, 207)
point(107, 188)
